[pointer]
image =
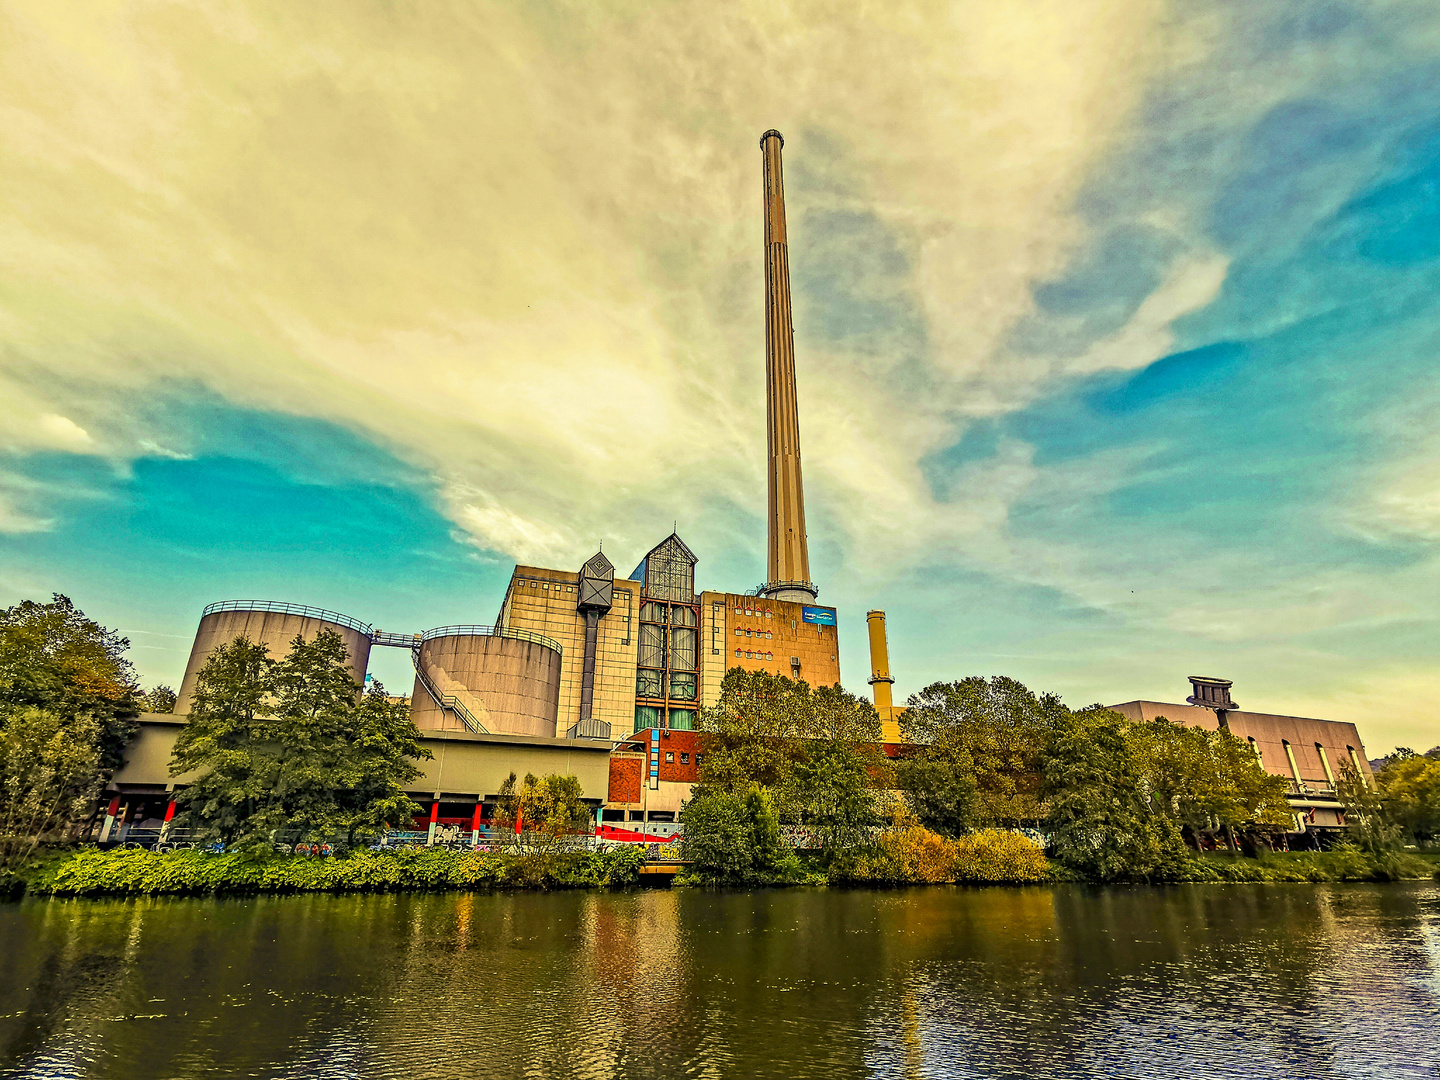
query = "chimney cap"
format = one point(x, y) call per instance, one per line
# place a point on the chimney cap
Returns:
point(767, 134)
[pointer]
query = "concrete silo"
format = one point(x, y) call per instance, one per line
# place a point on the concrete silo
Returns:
point(274, 624)
point(487, 679)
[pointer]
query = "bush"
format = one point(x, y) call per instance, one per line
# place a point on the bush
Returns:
point(731, 839)
point(1342, 863)
point(188, 873)
point(998, 855)
point(911, 854)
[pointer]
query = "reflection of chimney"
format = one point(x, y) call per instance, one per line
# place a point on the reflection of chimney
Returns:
point(880, 664)
point(788, 562)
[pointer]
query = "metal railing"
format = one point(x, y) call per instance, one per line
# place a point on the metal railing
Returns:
point(445, 701)
point(283, 608)
point(395, 641)
point(493, 631)
point(1320, 788)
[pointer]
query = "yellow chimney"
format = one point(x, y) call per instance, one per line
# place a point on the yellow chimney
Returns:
point(880, 676)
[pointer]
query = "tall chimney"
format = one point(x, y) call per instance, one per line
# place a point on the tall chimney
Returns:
point(788, 563)
point(880, 664)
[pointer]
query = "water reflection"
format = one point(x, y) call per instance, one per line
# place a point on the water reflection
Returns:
point(1243, 981)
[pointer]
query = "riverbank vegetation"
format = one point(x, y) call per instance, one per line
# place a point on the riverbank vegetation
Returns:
point(992, 769)
point(135, 872)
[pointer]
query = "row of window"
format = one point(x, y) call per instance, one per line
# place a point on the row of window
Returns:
point(755, 655)
point(683, 685)
point(535, 583)
point(653, 716)
point(754, 633)
point(755, 613)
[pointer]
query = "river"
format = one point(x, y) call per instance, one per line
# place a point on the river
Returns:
point(1201, 981)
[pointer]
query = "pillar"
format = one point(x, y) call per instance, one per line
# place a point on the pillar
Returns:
point(475, 825)
point(434, 820)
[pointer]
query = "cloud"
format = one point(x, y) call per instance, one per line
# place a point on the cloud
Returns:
point(521, 246)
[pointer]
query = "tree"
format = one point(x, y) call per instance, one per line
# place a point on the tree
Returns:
point(545, 809)
point(732, 837)
point(1208, 780)
point(224, 746)
point(939, 787)
point(1410, 790)
point(293, 745)
point(993, 730)
point(54, 658)
point(49, 777)
point(816, 752)
point(161, 699)
point(1101, 819)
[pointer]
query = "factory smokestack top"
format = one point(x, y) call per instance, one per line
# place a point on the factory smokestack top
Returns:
point(788, 561)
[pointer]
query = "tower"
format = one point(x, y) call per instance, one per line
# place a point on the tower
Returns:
point(880, 664)
point(788, 557)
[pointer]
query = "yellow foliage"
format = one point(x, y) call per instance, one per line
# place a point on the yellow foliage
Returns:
point(909, 853)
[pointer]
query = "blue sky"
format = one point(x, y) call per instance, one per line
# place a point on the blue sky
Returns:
point(1116, 325)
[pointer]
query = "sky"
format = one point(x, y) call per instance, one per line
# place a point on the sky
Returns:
point(1116, 323)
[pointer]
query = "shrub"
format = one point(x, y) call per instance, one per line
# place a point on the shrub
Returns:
point(135, 872)
point(909, 853)
point(999, 855)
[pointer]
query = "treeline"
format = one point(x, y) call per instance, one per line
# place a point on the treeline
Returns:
point(1118, 801)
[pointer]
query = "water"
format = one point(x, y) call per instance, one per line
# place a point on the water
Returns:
point(1207, 981)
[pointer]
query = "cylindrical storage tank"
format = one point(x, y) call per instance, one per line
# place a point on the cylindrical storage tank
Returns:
point(274, 624)
point(507, 681)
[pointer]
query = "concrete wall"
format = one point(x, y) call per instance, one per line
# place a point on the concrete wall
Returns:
point(544, 601)
point(464, 765)
point(510, 686)
point(277, 629)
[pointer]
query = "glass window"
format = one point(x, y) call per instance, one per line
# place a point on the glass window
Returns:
point(653, 612)
point(684, 647)
point(647, 684)
point(652, 646)
point(662, 815)
point(646, 716)
point(682, 685)
point(683, 720)
point(636, 815)
point(684, 758)
point(669, 757)
point(682, 616)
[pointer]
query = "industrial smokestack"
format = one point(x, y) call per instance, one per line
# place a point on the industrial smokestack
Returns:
point(880, 664)
point(788, 563)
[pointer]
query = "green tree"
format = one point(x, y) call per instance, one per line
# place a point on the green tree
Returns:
point(547, 809)
point(293, 747)
point(995, 730)
point(1409, 788)
point(49, 777)
point(160, 699)
point(732, 837)
point(52, 657)
point(1209, 780)
point(815, 752)
point(223, 755)
point(1101, 819)
point(939, 787)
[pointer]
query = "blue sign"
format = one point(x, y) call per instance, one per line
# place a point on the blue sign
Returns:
point(822, 615)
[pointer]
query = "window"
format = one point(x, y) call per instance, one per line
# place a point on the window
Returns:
point(662, 815)
point(652, 645)
point(682, 685)
point(737, 652)
point(682, 719)
point(682, 616)
point(646, 716)
point(768, 634)
point(769, 615)
point(738, 631)
point(544, 584)
point(669, 757)
point(653, 612)
point(684, 758)
point(698, 758)
point(647, 684)
point(636, 815)
point(684, 645)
